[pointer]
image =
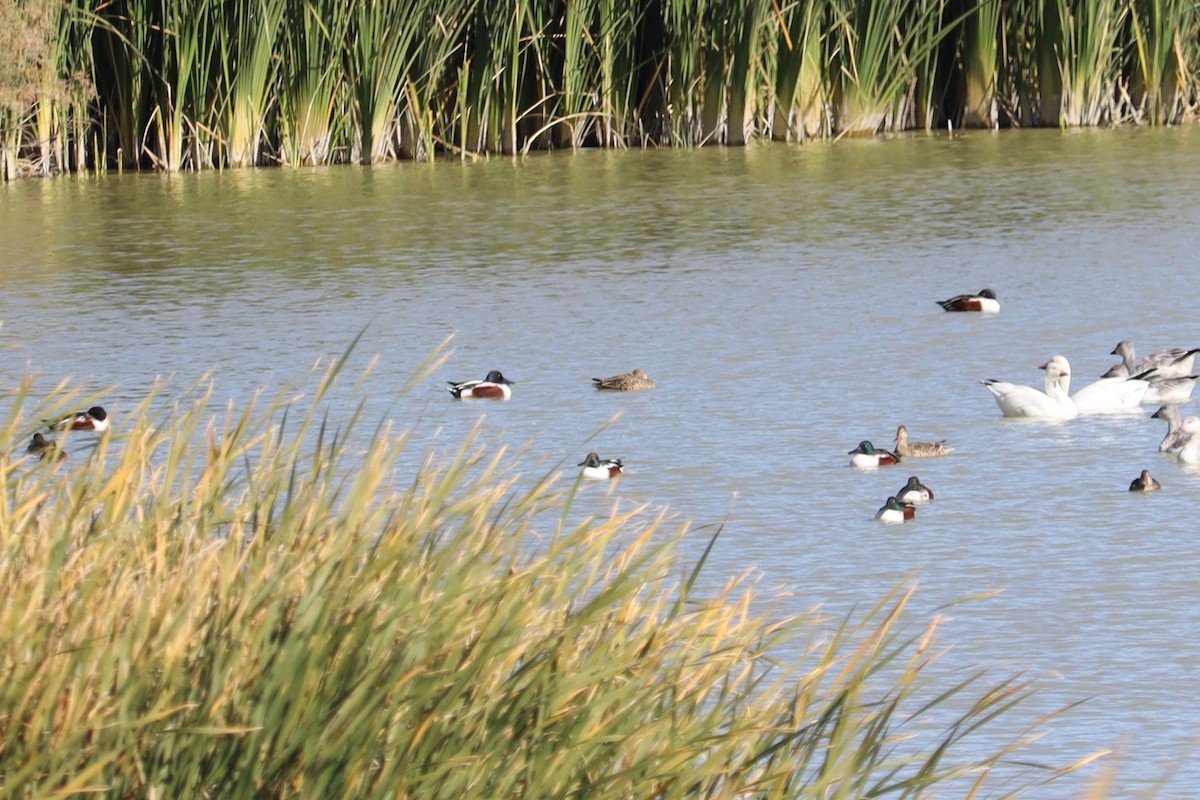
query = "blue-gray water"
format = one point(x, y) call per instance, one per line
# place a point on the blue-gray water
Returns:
point(783, 299)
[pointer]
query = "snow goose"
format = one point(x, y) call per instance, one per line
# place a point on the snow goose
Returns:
point(1162, 390)
point(1175, 437)
point(1055, 402)
point(1111, 395)
point(1173, 363)
point(1189, 453)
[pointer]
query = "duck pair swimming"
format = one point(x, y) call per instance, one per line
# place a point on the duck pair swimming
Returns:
point(94, 420)
point(495, 386)
point(903, 504)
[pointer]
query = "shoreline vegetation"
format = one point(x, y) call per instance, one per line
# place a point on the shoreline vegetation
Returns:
point(200, 84)
point(281, 613)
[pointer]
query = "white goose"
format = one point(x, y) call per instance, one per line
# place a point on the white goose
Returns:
point(1175, 439)
point(1055, 402)
point(1111, 395)
point(1173, 363)
point(1190, 452)
point(1162, 390)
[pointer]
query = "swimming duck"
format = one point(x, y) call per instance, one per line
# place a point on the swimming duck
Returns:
point(1175, 438)
point(985, 301)
point(95, 419)
point(894, 512)
point(1175, 362)
point(907, 449)
point(45, 448)
point(625, 382)
point(1144, 483)
point(865, 456)
point(494, 386)
point(1055, 402)
point(596, 468)
point(915, 492)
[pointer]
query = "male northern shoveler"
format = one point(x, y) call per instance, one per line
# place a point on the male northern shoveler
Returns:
point(493, 386)
point(625, 382)
point(895, 512)
point(914, 492)
point(865, 456)
point(1144, 483)
point(985, 301)
point(907, 449)
point(45, 448)
point(95, 419)
point(598, 468)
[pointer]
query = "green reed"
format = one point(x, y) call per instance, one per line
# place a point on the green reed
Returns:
point(265, 602)
point(247, 78)
point(311, 73)
point(801, 93)
point(1165, 34)
point(981, 59)
point(212, 83)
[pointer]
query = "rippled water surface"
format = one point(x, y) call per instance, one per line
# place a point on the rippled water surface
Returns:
point(783, 299)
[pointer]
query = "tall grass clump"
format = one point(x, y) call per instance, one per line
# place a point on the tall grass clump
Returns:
point(877, 46)
point(801, 91)
point(247, 78)
point(1166, 37)
point(264, 602)
point(981, 64)
point(312, 40)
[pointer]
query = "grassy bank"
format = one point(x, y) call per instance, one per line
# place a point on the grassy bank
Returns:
point(193, 84)
point(282, 612)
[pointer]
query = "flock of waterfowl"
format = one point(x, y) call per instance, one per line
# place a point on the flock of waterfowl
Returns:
point(496, 387)
point(1162, 378)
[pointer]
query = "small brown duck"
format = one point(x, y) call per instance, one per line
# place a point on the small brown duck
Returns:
point(45, 448)
point(907, 449)
point(1144, 483)
point(626, 382)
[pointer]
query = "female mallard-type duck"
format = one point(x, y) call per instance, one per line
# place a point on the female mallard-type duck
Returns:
point(907, 449)
point(635, 381)
point(1145, 483)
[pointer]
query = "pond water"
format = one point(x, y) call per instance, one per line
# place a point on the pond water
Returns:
point(783, 299)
